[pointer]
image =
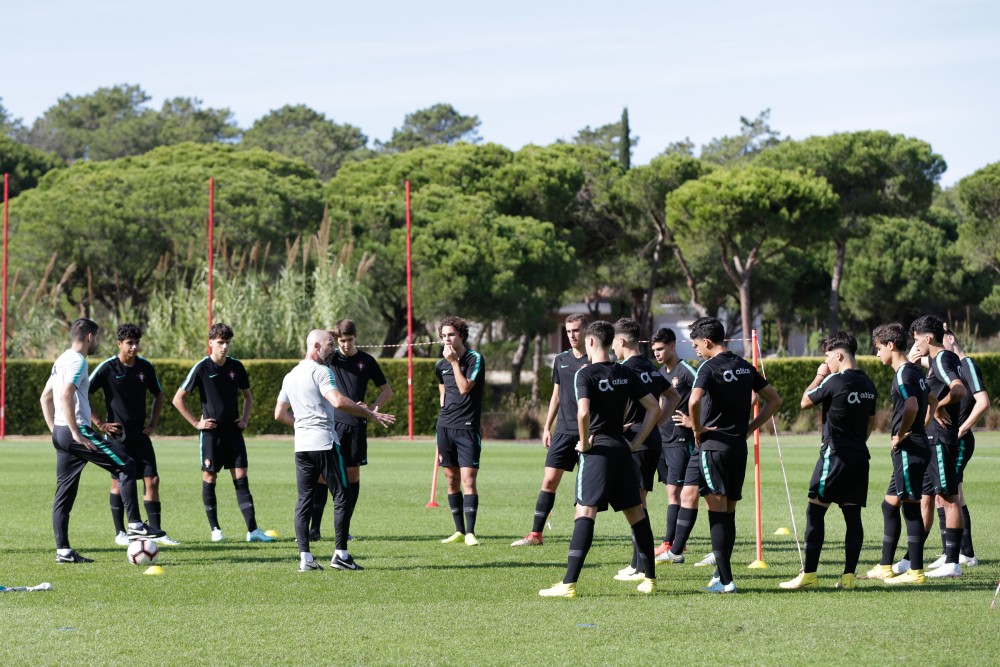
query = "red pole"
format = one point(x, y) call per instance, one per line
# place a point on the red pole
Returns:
point(756, 466)
point(409, 321)
point(3, 334)
point(211, 246)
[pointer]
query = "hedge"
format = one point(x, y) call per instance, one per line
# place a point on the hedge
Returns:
point(790, 376)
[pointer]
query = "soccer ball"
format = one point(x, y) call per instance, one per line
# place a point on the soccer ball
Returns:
point(142, 552)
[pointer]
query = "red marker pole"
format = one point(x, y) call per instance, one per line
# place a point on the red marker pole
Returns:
point(759, 563)
point(3, 325)
point(211, 244)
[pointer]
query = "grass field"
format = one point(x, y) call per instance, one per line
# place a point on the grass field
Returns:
point(421, 602)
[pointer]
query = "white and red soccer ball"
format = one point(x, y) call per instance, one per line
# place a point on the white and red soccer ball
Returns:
point(143, 552)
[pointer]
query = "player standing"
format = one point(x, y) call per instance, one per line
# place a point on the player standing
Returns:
point(561, 454)
point(719, 406)
point(125, 379)
point(307, 401)
point(461, 374)
point(647, 455)
point(66, 408)
point(910, 455)
point(220, 380)
point(676, 437)
point(607, 473)
point(353, 369)
point(848, 398)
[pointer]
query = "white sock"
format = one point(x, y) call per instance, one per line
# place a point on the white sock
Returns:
point(135, 524)
point(342, 554)
point(306, 556)
point(64, 552)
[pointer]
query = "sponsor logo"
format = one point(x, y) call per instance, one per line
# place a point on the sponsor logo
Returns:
point(119, 377)
point(563, 365)
point(855, 397)
point(213, 376)
point(644, 376)
point(923, 385)
point(730, 376)
point(445, 371)
point(604, 385)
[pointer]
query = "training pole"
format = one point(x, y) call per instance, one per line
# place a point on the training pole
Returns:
point(211, 244)
point(759, 563)
point(3, 326)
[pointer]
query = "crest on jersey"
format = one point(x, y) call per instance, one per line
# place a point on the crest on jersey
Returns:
point(676, 382)
point(141, 376)
point(208, 463)
point(232, 375)
point(361, 365)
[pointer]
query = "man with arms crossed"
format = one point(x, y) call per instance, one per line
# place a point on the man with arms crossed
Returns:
point(461, 376)
point(561, 454)
point(848, 398)
point(307, 401)
point(607, 473)
point(720, 405)
point(66, 408)
point(220, 380)
point(125, 379)
point(352, 369)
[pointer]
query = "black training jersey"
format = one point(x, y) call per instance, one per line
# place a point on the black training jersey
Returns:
point(729, 383)
point(462, 412)
point(609, 386)
point(125, 389)
point(564, 369)
point(220, 389)
point(655, 384)
point(945, 370)
point(352, 374)
point(909, 381)
point(973, 378)
point(848, 400)
point(681, 378)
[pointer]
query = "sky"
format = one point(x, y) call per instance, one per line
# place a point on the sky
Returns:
point(536, 72)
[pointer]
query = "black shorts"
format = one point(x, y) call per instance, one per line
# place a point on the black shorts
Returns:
point(353, 443)
point(908, 470)
point(138, 445)
point(840, 477)
point(722, 473)
point(458, 448)
point(607, 476)
point(562, 451)
point(646, 461)
point(223, 448)
point(941, 476)
point(966, 447)
point(673, 463)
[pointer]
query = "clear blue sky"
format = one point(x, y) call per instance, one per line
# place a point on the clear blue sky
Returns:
point(538, 71)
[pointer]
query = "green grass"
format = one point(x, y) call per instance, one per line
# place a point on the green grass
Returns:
point(421, 602)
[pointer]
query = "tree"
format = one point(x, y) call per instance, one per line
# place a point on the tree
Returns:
point(979, 234)
point(872, 173)
point(639, 203)
point(121, 221)
point(439, 124)
point(755, 136)
point(609, 139)
point(625, 143)
point(115, 122)
point(9, 126)
point(753, 214)
point(24, 164)
point(300, 132)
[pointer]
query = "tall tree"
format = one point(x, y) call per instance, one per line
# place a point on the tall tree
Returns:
point(755, 136)
point(872, 173)
point(625, 143)
point(300, 132)
point(439, 124)
point(979, 234)
point(614, 139)
point(752, 214)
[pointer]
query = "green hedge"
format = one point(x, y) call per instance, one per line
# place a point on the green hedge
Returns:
point(790, 376)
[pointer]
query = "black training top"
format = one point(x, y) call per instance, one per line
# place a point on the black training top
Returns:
point(848, 400)
point(609, 386)
point(729, 383)
point(220, 389)
point(680, 378)
point(352, 375)
point(125, 389)
point(973, 378)
point(564, 369)
point(909, 381)
point(462, 412)
point(944, 371)
point(655, 384)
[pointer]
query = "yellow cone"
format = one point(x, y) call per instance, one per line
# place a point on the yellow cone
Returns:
point(271, 533)
point(782, 531)
point(154, 569)
point(757, 565)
